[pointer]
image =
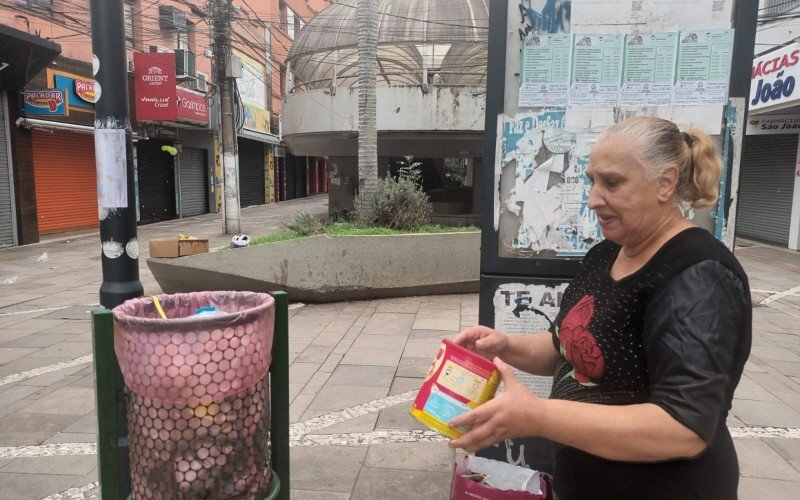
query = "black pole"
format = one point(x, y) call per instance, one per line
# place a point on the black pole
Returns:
point(118, 224)
point(116, 196)
point(744, 42)
point(745, 24)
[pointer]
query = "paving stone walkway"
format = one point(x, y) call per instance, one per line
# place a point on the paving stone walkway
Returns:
point(354, 369)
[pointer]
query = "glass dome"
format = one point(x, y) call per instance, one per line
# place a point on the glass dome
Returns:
point(449, 38)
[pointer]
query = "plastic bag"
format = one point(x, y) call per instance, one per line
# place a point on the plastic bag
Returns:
point(484, 479)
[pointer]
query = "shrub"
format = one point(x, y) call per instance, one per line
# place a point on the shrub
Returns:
point(304, 224)
point(410, 170)
point(400, 204)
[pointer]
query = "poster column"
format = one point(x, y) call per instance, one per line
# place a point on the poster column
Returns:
point(556, 80)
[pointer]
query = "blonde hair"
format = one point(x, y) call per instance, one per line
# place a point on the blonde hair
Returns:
point(661, 144)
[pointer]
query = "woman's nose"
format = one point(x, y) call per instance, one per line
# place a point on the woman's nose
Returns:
point(595, 200)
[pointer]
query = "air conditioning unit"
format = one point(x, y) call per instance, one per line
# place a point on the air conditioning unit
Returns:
point(37, 4)
point(171, 18)
point(158, 48)
point(200, 83)
point(185, 64)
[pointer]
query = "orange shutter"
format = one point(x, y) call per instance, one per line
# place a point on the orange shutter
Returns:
point(66, 181)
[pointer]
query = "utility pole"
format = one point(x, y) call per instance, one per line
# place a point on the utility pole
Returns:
point(221, 15)
point(113, 141)
point(367, 17)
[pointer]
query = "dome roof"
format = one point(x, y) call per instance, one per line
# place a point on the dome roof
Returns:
point(448, 37)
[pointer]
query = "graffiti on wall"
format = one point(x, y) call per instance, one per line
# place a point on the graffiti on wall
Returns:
point(217, 184)
point(269, 177)
point(544, 16)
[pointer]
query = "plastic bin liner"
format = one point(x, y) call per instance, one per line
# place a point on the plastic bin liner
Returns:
point(198, 402)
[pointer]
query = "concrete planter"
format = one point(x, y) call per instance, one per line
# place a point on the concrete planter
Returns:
point(334, 268)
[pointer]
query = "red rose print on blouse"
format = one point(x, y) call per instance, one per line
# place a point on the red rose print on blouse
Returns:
point(578, 345)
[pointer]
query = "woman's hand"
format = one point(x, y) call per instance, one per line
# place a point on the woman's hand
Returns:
point(485, 341)
point(511, 414)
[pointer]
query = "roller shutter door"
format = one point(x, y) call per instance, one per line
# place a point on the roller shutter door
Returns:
point(766, 187)
point(156, 173)
point(6, 199)
point(194, 197)
point(251, 173)
point(66, 181)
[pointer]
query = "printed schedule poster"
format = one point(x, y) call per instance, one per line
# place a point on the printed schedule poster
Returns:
point(596, 70)
point(704, 64)
point(525, 309)
point(544, 76)
point(648, 72)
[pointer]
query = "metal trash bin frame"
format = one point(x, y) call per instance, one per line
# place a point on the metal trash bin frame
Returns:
point(109, 398)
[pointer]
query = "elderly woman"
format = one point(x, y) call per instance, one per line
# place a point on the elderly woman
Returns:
point(650, 342)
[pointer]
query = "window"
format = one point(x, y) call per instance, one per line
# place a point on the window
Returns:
point(298, 24)
point(182, 40)
point(268, 51)
point(775, 7)
point(291, 23)
point(129, 36)
point(191, 36)
point(284, 11)
point(283, 79)
point(42, 5)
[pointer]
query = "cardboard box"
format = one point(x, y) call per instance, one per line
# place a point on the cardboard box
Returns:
point(175, 247)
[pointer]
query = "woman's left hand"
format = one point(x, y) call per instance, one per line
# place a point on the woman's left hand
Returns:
point(511, 414)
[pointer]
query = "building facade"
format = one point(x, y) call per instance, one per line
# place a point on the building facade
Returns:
point(769, 185)
point(47, 171)
point(431, 78)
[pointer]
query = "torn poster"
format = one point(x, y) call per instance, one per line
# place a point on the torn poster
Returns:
point(524, 310)
point(546, 202)
point(686, 12)
point(609, 12)
point(112, 174)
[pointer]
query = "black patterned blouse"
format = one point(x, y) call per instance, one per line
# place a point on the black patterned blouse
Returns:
point(676, 333)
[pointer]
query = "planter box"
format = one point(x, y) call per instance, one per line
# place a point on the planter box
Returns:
point(334, 268)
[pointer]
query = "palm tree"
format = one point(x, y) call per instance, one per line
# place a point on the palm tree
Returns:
point(367, 16)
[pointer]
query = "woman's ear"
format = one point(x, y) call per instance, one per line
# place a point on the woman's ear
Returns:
point(668, 183)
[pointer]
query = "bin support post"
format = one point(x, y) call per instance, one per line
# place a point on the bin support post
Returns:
point(108, 397)
point(279, 393)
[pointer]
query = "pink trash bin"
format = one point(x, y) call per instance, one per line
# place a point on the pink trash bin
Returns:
point(198, 403)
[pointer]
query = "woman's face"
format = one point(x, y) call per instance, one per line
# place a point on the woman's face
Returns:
point(629, 206)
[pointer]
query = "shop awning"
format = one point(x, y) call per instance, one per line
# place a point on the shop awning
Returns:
point(22, 56)
point(50, 126)
point(256, 136)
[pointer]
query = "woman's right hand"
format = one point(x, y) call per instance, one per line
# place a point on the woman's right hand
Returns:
point(486, 341)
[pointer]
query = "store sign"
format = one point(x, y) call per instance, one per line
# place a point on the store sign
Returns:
point(154, 84)
point(158, 131)
point(48, 102)
point(773, 124)
point(79, 91)
point(256, 119)
point(85, 90)
point(192, 107)
point(773, 80)
point(251, 86)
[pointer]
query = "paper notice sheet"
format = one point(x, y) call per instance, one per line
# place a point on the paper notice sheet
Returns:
point(704, 64)
point(596, 70)
point(544, 77)
point(648, 73)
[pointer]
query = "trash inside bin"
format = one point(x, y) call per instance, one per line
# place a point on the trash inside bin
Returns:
point(198, 404)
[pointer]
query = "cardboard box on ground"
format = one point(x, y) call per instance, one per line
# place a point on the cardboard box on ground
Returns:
point(177, 247)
